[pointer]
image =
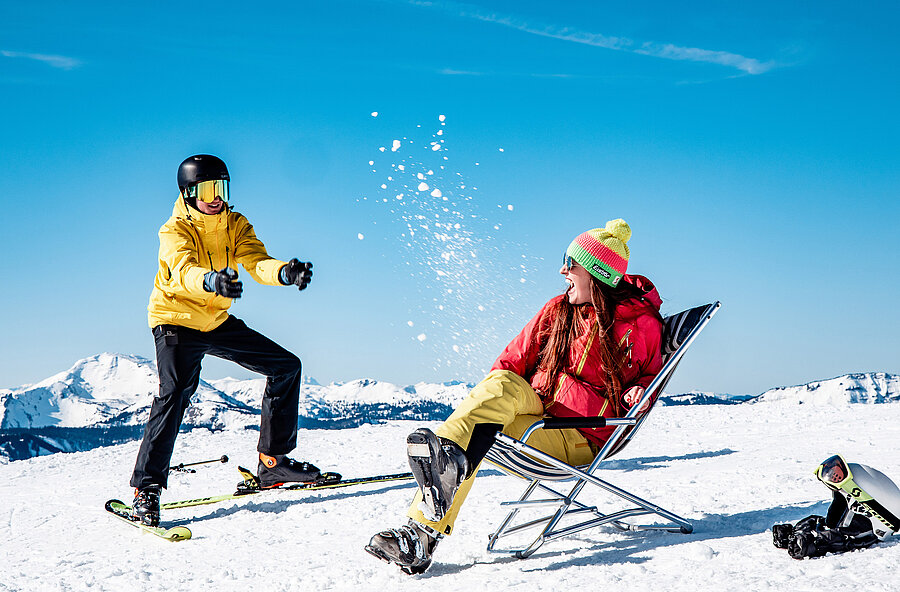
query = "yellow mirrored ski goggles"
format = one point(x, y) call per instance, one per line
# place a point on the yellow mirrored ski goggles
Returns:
point(208, 191)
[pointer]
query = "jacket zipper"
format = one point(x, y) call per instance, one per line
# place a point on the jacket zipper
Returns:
point(628, 346)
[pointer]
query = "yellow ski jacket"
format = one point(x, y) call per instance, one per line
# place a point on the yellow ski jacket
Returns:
point(192, 244)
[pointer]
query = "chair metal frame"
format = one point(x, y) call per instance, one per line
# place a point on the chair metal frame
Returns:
point(516, 457)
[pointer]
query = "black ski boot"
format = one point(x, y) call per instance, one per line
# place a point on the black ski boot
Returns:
point(409, 546)
point(439, 466)
point(145, 507)
point(278, 469)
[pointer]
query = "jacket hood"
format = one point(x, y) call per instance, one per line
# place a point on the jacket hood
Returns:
point(637, 306)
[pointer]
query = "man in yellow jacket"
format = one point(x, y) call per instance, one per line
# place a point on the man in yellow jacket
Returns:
point(199, 247)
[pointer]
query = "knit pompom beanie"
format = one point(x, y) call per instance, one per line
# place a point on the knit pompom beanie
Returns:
point(603, 251)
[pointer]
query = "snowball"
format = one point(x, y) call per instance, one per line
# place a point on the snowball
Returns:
point(501, 149)
point(374, 113)
point(420, 176)
point(423, 186)
point(410, 323)
point(436, 193)
point(371, 162)
point(382, 149)
point(436, 147)
point(360, 236)
point(395, 145)
point(509, 207)
point(422, 337)
point(441, 117)
point(456, 348)
point(383, 186)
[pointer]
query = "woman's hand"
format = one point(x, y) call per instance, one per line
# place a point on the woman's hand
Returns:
point(633, 395)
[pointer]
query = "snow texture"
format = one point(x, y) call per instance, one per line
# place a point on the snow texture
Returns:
point(734, 471)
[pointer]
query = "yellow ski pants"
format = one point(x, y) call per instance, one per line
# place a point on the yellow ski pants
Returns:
point(504, 398)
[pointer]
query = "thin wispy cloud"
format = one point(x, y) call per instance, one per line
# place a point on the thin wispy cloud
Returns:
point(666, 51)
point(54, 61)
point(452, 72)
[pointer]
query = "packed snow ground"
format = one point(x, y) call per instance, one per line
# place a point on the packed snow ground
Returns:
point(732, 470)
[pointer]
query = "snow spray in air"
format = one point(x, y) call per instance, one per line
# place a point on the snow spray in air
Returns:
point(453, 242)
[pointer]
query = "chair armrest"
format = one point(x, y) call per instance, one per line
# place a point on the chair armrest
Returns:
point(561, 423)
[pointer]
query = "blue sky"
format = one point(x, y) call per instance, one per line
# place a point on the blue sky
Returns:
point(753, 149)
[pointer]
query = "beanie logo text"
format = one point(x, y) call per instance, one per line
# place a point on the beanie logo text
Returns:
point(601, 271)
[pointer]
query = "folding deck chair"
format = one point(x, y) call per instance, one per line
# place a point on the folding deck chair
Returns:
point(517, 458)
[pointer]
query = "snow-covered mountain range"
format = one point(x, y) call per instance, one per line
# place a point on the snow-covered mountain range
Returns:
point(106, 399)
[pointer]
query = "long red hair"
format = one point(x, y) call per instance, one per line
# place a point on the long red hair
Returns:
point(570, 321)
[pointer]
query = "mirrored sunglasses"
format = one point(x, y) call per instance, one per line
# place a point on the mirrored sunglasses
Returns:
point(568, 262)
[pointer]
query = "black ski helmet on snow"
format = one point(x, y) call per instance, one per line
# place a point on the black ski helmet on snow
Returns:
point(201, 167)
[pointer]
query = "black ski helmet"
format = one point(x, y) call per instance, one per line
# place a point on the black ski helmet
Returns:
point(201, 167)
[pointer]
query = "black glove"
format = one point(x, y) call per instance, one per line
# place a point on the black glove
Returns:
point(782, 535)
point(296, 272)
point(223, 283)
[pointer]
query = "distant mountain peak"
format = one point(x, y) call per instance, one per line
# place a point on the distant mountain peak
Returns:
point(856, 387)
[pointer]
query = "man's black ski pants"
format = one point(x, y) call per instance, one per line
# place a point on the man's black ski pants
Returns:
point(179, 352)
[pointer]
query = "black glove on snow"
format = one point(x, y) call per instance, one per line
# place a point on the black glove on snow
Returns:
point(296, 272)
point(223, 283)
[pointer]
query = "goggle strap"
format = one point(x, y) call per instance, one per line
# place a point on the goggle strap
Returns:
point(883, 514)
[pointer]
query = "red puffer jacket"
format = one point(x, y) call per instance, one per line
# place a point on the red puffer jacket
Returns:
point(581, 388)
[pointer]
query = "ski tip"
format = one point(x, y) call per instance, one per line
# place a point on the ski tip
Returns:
point(178, 533)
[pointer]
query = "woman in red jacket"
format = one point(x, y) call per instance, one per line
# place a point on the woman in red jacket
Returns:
point(589, 352)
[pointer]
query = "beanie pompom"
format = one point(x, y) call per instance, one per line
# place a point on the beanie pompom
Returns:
point(620, 229)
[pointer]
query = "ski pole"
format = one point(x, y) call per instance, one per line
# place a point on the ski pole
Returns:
point(183, 466)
